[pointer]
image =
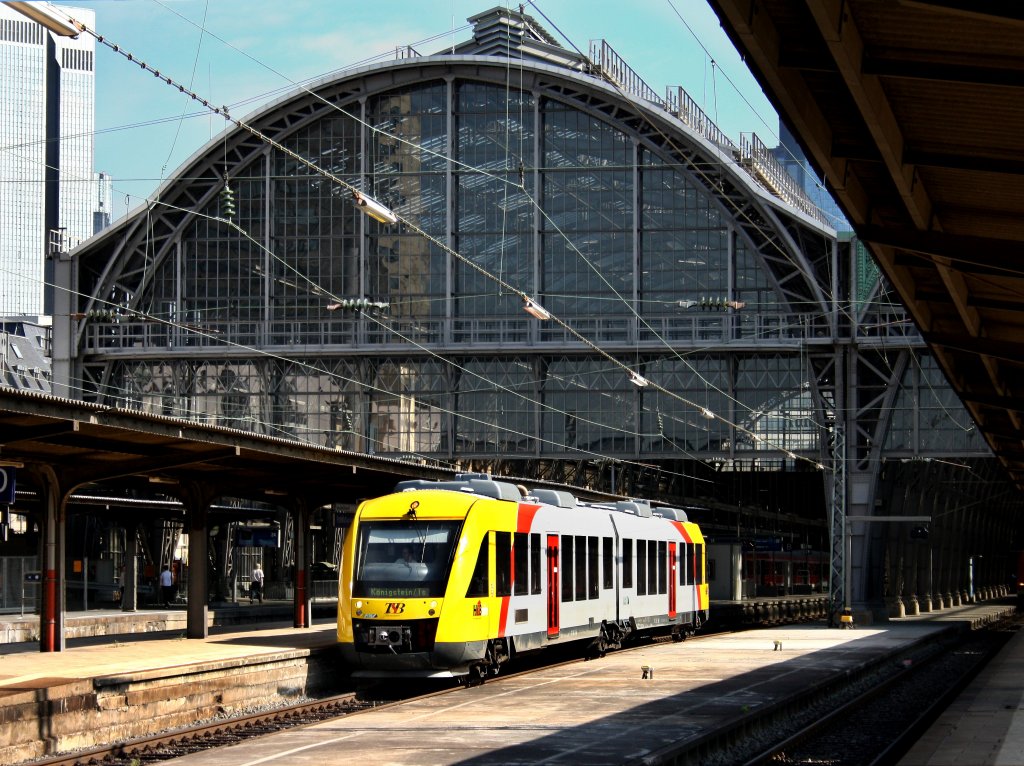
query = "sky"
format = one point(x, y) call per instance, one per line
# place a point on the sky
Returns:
point(254, 51)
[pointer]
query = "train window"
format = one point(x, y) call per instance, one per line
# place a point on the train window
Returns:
point(681, 564)
point(652, 567)
point(478, 582)
point(503, 563)
point(641, 567)
point(688, 569)
point(593, 580)
point(662, 567)
point(404, 559)
point(521, 563)
point(535, 563)
point(581, 568)
point(567, 571)
point(627, 563)
point(608, 562)
point(698, 561)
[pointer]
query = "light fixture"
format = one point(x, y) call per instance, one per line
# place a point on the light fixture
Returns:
point(535, 310)
point(637, 379)
point(374, 209)
point(707, 413)
point(162, 480)
point(43, 16)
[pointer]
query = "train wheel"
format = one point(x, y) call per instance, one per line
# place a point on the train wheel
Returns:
point(477, 674)
point(678, 634)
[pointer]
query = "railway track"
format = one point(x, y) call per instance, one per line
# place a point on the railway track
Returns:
point(876, 721)
point(171, 744)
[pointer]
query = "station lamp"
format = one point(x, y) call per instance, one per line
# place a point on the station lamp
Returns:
point(638, 380)
point(534, 309)
point(373, 208)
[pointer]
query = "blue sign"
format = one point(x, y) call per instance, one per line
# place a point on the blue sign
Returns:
point(7, 482)
point(258, 537)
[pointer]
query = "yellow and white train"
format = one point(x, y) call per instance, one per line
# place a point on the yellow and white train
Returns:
point(454, 578)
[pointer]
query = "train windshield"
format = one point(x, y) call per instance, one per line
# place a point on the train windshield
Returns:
point(404, 559)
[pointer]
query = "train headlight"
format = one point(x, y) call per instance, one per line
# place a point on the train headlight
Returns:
point(433, 608)
point(359, 605)
point(433, 605)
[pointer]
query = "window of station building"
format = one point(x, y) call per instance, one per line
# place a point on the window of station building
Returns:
point(567, 568)
point(521, 563)
point(593, 393)
point(662, 567)
point(478, 583)
point(712, 570)
point(503, 563)
point(607, 563)
point(581, 568)
point(627, 563)
point(476, 405)
point(641, 567)
point(535, 551)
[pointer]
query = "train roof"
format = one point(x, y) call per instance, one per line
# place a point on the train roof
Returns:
point(482, 484)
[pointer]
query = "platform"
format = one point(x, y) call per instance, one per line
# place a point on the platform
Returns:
point(17, 628)
point(110, 690)
point(601, 712)
point(985, 724)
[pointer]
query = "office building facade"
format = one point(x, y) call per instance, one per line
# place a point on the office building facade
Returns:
point(47, 105)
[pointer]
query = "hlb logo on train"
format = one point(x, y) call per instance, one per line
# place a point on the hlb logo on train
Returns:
point(7, 482)
point(394, 607)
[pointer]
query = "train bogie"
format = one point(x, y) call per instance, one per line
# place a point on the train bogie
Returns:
point(454, 578)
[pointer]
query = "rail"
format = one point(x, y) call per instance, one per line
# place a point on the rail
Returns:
point(760, 161)
point(690, 326)
point(610, 65)
point(681, 104)
point(751, 153)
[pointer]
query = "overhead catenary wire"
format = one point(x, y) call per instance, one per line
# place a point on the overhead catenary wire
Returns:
point(224, 112)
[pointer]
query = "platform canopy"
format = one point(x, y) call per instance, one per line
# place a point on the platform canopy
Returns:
point(913, 111)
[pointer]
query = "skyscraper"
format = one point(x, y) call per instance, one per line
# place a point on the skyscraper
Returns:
point(47, 187)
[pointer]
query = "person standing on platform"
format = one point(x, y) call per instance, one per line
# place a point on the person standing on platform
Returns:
point(167, 586)
point(256, 585)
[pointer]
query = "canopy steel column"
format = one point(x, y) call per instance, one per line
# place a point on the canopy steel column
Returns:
point(302, 602)
point(54, 522)
point(129, 584)
point(197, 506)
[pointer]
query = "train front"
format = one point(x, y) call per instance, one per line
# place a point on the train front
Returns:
point(400, 558)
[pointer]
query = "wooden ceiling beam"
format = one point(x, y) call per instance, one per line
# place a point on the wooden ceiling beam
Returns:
point(839, 32)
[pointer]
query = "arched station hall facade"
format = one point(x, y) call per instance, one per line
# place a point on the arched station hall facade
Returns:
point(628, 217)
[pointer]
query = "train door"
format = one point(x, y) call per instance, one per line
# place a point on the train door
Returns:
point(672, 585)
point(553, 589)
